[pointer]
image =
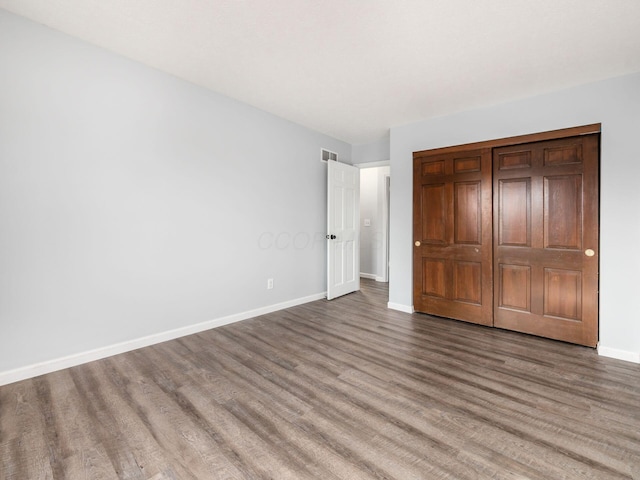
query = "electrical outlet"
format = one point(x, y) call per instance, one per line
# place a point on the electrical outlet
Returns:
point(269, 283)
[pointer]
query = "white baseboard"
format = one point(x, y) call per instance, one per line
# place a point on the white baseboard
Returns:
point(372, 276)
point(367, 275)
point(56, 364)
point(400, 307)
point(619, 354)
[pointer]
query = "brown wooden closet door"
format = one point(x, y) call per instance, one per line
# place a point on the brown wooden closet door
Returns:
point(452, 235)
point(546, 238)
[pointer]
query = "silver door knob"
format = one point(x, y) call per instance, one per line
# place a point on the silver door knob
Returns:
point(589, 253)
point(417, 244)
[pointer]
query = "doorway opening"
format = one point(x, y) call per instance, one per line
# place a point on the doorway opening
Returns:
point(374, 221)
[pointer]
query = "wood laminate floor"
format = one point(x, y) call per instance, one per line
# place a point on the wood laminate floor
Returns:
point(345, 389)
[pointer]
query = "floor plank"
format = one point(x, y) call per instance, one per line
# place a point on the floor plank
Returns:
point(345, 389)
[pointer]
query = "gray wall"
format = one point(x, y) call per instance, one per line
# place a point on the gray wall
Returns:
point(377, 151)
point(133, 203)
point(616, 104)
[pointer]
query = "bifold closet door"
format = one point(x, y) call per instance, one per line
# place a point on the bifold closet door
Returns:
point(545, 221)
point(452, 260)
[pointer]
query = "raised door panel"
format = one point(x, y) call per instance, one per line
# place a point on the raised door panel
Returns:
point(467, 164)
point(514, 285)
point(563, 294)
point(514, 212)
point(467, 213)
point(563, 212)
point(433, 213)
point(563, 154)
point(516, 159)
point(467, 282)
point(433, 277)
point(430, 168)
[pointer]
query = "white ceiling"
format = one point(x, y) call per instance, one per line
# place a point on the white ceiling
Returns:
point(354, 68)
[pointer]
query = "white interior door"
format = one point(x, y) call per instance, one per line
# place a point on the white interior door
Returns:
point(343, 229)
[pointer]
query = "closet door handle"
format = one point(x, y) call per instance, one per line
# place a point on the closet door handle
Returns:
point(417, 244)
point(589, 253)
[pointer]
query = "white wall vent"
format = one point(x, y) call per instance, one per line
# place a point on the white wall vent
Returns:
point(328, 155)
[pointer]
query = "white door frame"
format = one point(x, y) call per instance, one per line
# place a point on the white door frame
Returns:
point(386, 211)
